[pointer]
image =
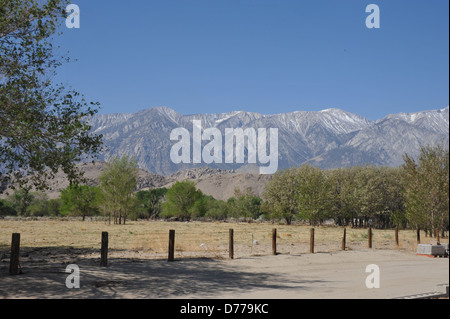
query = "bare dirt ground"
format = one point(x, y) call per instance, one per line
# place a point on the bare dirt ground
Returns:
point(138, 266)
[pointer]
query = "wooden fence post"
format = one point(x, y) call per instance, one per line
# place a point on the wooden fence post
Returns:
point(15, 249)
point(274, 241)
point(231, 244)
point(104, 250)
point(311, 241)
point(344, 239)
point(370, 237)
point(171, 245)
point(396, 236)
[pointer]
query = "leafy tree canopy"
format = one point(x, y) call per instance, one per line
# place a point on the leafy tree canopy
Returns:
point(43, 125)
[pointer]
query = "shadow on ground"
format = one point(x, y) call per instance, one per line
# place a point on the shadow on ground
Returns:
point(44, 276)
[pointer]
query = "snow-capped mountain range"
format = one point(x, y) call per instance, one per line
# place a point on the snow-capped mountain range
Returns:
point(329, 138)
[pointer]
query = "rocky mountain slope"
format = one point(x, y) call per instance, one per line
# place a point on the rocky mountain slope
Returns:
point(328, 139)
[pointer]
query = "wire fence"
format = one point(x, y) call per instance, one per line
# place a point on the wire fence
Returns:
point(55, 241)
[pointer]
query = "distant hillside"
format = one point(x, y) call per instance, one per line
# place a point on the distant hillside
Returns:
point(218, 183)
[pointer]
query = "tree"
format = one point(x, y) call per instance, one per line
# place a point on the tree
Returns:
point(342, 182)
point(79, 200)
point(21, 199)
point(314, 194)
point(53, 206)
point(44, 207)
point(43, 125)
point(246, 204)
point(199, 208)
point(6, 208)
point(181, 198)
point(369, 194)
point(150, 201)
point(391, 200)
point(118, 183)
point(427, 188)
point(281, 195)
point(216, 209)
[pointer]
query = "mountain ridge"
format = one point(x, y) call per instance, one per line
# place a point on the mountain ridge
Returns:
point(329, 138)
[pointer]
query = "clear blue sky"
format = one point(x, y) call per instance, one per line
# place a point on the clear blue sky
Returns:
point(267, 56)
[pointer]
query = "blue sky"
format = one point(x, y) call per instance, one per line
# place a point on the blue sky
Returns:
point(267, 56)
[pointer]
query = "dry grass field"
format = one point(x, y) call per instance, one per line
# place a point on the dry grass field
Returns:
point(149, 239)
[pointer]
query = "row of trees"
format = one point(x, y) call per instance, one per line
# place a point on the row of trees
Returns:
point(413, 195)
point(358, 196)
point(24, 203)
point(184, 202)
point(115, 197)
point(82, 201)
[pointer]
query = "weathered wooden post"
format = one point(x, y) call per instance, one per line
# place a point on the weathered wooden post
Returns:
point(344, 239)
point(104, 250)
point(418, 236)
point(370, 237)
point(274, 241)
point(171, 245)
point(311, 241)
point(396, 236)
point(15, 249)
point(231, 244)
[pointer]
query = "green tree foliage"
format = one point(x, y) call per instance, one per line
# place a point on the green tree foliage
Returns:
point(45, 207)
point(79, 200)
point(150, 202)
point(303, 192)
point(281, 195)
point(390, 196)
point(199, 207)
point(356, 195)
point(427, 188)
point(118, 183)
point(343, 184)
point(245, 204)
point(185, 202)
point(6, 208)
point(367, 193)
point(20, 200)
point(314, 194)
point(216, 209)
point(42, 124)
point(181, 198)
point(24, 203)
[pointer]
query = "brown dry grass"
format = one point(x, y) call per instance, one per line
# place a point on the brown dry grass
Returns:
point(149, 239)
